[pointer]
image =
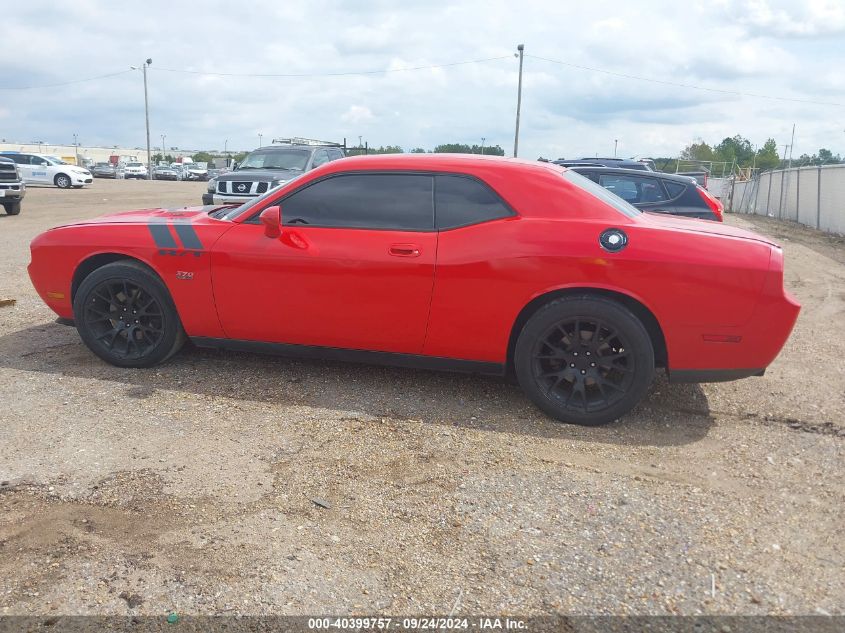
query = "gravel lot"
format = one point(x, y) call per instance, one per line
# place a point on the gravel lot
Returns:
point(230, 483)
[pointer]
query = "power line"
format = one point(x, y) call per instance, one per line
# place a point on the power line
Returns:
point(680, 85)
point(336, 74)
point(67, 83)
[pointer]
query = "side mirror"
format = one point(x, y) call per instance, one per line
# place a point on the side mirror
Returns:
point(271, 218)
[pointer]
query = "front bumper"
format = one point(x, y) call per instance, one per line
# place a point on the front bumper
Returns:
point(216, 198)
point(12, 190)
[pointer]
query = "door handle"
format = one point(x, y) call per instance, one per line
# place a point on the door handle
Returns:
point(404, 250)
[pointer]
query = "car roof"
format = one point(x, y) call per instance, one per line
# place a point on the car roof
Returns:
point(436, 162)
point(631, 172)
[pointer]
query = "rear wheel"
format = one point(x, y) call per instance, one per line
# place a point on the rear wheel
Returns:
point(62, 181)
point(125, 315)
point(584, 360)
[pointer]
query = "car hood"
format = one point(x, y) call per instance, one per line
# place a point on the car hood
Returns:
point(709, 227)
point(259, 175)
point(143, 216)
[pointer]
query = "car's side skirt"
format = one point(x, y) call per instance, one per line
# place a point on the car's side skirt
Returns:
point(712, 375)
point(414, 361)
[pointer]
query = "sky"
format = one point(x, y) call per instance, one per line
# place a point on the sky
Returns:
point(353, 58)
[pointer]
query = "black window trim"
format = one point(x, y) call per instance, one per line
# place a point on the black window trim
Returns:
point(254, 217)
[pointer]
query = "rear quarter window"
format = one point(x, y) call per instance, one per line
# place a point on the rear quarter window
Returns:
point(601, 193)
point(674, 189)
point(462, 201)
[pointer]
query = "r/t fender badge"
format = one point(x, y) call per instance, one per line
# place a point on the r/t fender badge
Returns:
point(184, 274)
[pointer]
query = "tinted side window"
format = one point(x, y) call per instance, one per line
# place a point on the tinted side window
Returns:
point(633, 189)
point(674, 189)
point(401, 202)
point(334, 154)
point(320, 157)
point(20, 159)
point(461, 201)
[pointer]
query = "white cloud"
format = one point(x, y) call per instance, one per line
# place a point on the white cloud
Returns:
point(781, 48)
point(358, 114)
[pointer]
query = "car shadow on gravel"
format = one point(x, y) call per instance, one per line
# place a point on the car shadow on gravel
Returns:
point(669, 415)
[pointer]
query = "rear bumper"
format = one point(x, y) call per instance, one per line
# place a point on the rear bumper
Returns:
point(702, 353)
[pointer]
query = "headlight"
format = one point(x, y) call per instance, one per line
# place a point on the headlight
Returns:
point(212, 185)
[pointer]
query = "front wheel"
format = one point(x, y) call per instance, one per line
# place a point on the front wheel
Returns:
point(63, 181)
point(124, 314)
point(584, 360)
point(12, 208)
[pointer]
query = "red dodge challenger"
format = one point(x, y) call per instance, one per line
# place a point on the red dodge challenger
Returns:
point(467, 263)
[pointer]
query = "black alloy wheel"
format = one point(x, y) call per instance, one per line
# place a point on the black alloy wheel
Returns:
point(584, 360)
point(125, 315)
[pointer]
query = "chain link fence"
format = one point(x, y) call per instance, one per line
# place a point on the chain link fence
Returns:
point(814, 196)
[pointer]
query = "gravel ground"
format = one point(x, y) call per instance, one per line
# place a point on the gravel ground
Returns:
point(231, 483)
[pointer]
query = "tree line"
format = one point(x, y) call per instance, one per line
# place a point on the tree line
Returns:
point(739, 151)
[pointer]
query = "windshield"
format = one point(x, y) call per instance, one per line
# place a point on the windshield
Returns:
point(229, 213)
point(293, 159)
point(134, 165)
point(601, 193)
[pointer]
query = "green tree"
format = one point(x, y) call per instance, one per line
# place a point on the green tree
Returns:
point(734, 148)
point(203, 157)
point(387, 149)
point(418, 150)
point(463, 148)
point(697, 151)
point(767, 156)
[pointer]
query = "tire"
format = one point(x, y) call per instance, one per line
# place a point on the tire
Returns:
point(12, 208)
point(148, 335)
point(591, 378)
point(63, 181)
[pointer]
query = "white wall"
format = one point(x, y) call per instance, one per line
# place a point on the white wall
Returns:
point(814, 196)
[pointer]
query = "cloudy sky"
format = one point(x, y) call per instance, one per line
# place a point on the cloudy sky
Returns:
point(779, 48)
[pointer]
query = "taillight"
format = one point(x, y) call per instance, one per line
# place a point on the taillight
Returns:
point(715, 205)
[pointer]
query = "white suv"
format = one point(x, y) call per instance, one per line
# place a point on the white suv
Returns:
point(135, 170)
point(41, 169)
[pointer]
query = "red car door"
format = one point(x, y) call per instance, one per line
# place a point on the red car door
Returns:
point(353, 268)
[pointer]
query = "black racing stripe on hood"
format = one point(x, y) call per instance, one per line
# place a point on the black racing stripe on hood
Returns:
point(188, 235)
point(162, 236)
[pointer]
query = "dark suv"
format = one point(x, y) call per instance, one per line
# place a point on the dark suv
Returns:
point(268, 167)
point(623, 163)
point(12, 189)
point(656, 191)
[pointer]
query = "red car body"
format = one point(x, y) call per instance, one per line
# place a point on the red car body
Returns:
point(710, 295)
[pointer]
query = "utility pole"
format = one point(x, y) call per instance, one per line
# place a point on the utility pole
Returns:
point(482, 144)
point(163, 136)
point(76, 147)
point(791, 145)
point(260, 136)
point(615, 144)
point(146, 63)
point(521, 49)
